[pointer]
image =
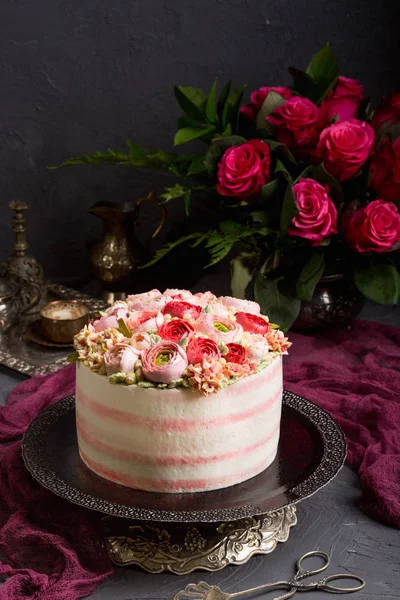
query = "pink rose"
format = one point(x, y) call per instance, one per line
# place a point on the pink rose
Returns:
point(175, 330)
point(145, 296)
point(182, 310)
point(244, 169)
point(204, 298)
point(258, 97)
point(252, 323)
point(108, 322)
point(296, 124)
point(140, 341)
point(344, 101)
point(201, 349)
point(164, 362)
point(385, 170)
point(242, 305)
point(317, 216)
point(388, 111)
point(144, 320)
point(257, 349)
point(372, 228)
point(344, 147)
point(120, 358)
point(219, 328)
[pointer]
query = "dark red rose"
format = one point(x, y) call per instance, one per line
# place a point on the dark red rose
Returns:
point(237, 353)
point(372, 228)
point(244, 169)
point(182, 309)
point(344, 147)
point(343, 101)
point(200, 349)
point(175, 330)
point(258, 97)
point(252, 323)
point(388, 111)
point(296, 124)
point(385, 170)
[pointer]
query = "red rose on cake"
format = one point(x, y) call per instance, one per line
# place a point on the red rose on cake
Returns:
point(202, 349)
point(175, 330)
point(252, 323)
point(120, 358)
point(219, 328)
point(164, 362)
point(236, 353)
point(182, 310)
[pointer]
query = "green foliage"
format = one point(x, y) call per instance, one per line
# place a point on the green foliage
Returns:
point(319, 78)
point(73, 357)
point(310, 275)
point(188, 134)
point(137, 157)
point(271, 102)
point(122, 328)
point(219, 242)
point(211, 108)
point(279, 308)
point(378, 282)
point(192, 101)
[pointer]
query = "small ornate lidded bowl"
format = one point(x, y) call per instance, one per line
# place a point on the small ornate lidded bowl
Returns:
point(62, 319)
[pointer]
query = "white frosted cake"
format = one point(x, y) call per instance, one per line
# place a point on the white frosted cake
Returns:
point(178, 392)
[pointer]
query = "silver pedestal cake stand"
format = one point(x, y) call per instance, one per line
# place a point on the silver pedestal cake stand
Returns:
point(184, 532)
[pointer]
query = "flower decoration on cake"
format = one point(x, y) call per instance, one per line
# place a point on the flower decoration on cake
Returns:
point(179, 339)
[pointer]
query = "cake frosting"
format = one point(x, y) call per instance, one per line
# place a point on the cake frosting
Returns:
point(178, 392)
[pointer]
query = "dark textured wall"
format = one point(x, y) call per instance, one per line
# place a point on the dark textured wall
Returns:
point(81, 75)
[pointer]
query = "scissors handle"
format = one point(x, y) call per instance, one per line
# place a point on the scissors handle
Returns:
point(303, 572)
point(325, 584)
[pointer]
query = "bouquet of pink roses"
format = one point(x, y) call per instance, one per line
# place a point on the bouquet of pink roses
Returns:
point(311, 177)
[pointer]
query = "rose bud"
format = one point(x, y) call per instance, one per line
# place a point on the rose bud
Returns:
point(164, 362)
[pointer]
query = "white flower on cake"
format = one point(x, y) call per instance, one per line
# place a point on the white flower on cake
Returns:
point(181, 339)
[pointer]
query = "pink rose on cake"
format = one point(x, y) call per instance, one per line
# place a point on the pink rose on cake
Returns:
point(141, 341)
point(256, 346)
point(107, 322)
point(120, 358)
point(204, 298)
point(175, 330)
point(182, 310)
point(220, 329)
point(176, 294)
point(252, 323)
point(240, 305)
point(164, 362)
point(202, 349)
point(144, 320)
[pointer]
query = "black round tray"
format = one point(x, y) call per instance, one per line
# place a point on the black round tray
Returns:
point(312, 449)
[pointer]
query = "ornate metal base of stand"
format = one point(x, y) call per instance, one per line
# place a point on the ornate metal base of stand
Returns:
point(183, 548)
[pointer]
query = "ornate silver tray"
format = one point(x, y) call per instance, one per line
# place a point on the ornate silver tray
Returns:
point(184, 532)
point(20, 353)
point(311, 451)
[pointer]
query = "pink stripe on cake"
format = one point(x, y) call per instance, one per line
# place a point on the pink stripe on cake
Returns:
point(167, 461)
point(120, 416)
point(178, 485)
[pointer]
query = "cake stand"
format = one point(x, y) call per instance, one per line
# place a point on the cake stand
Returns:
point(205, 530)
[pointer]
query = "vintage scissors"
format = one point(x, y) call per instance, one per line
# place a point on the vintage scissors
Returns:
point(330, 583)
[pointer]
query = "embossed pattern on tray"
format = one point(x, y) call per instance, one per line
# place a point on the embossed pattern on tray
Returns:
point(312, 450)
point(21, 354)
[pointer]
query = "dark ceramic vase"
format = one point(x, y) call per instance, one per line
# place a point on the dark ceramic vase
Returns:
point(336, 301)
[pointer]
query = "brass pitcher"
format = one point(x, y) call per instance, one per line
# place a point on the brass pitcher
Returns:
point(116, 255)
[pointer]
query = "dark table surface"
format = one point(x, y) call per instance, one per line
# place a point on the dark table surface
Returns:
point(330, 521)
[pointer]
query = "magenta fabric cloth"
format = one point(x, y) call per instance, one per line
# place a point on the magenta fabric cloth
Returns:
point(354, 374)
point(50, 549)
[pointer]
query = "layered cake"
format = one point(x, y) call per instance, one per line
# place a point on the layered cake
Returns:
point(179, 392)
